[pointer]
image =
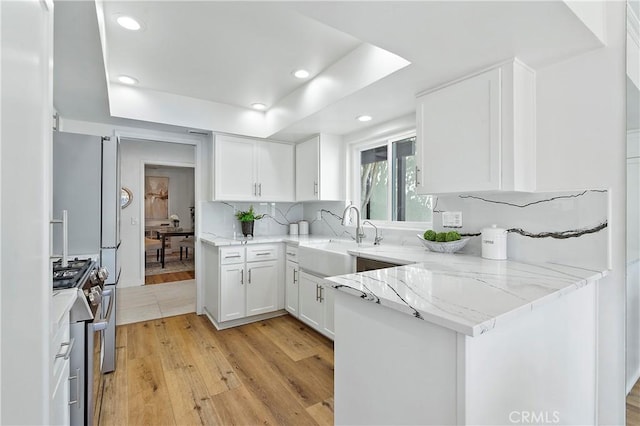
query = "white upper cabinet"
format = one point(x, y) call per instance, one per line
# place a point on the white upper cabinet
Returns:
point(252, 170)
point(478, 133)
point(276, 177)
point(234, 168)
point(320, 169)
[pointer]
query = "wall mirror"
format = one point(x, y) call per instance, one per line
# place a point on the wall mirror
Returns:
point(126, 196)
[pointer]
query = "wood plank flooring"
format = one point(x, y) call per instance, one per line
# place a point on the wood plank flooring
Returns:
point(182, 371)
point(169, 277)
point(633, 406)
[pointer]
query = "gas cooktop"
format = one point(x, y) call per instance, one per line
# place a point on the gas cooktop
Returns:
point(71, 275)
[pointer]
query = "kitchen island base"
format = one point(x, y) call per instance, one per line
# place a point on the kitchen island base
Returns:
point(538, 367)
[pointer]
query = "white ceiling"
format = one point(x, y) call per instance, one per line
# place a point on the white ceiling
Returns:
point(231, 54)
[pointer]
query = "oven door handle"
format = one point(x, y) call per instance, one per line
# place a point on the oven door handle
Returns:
point(104, 323)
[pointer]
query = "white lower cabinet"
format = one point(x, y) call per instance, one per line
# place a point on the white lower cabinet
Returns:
point(61, 345)
point(316, 304)
point(292, 284)
point(233, 298)
point(261, 290)
point(327, 299)
point(242, 284)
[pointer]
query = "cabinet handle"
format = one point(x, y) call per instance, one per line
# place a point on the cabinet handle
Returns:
point(295, 280)
point(232, 257)
point(260, 189)
point(241, 276)
point(264, 253)
point(290, 254)
point(77, 379)
point(69, 346)
point(321, 299)
point(255, 189)
point(317, 292)
point(315, 187)
point(249, 280)
point(417, 175)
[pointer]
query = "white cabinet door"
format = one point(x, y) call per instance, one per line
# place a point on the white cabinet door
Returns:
point(459, 136)
point(307, 170)
point(262, 294)
point(232, 292)
point(234, 169)
point(311, 310)
point(327, 299)
point(478, 133)
point(276, 180)
point(291, 288)
point(60, 414)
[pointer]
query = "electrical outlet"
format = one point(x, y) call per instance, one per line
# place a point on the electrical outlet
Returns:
point(452, 219)
point(318, 215)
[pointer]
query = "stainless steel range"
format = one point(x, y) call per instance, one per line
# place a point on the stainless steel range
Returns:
point(90, 316)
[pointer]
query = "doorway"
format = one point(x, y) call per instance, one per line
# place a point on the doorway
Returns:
point(169, 224)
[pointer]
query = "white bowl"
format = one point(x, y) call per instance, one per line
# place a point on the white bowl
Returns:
point(448, 247)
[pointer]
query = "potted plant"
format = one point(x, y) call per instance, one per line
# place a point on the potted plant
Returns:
point(247, 219)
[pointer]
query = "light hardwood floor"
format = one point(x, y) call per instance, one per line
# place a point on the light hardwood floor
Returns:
point(180, 370)
point(169, 277)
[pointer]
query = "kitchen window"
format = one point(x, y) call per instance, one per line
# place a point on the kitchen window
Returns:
point(387, 182)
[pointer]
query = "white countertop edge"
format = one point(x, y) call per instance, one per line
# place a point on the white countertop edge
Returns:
point(217, 240)
point(63, 300)
point(474, 330)
point(386, 258)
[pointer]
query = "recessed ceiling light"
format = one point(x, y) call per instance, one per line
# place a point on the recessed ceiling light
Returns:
point(301, 73)
point(129, 23)
point(125, 79)
point(259, 106)
point(364, 118)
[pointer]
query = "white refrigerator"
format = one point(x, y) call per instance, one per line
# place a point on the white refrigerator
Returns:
point(86, 183)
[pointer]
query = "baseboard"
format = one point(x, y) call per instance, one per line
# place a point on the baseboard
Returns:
point(242, 321)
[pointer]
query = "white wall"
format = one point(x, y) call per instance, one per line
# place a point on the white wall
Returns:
point(134, 155)
point(25, 200)
point(581, 143)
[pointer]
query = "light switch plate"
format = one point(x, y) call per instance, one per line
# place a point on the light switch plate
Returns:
point(452, 219)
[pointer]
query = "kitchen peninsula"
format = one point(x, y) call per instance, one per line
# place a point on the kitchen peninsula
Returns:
point(463, 340)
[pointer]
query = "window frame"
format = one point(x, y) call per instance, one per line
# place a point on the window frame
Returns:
point(355, 151)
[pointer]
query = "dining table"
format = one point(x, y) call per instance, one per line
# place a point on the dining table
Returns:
point(163, 234)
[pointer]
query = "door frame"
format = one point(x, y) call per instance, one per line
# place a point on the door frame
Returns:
point(201, 170)
point(143, 166)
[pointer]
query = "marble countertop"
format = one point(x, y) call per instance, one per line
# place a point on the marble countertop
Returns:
point(401, 255)
point(468, 294)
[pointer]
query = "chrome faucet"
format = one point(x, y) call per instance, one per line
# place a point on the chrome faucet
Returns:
point(346, 221)
point(377, 239)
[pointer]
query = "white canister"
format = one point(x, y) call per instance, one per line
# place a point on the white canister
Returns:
point(494, 243)
point(293, 229)
point(303, 227)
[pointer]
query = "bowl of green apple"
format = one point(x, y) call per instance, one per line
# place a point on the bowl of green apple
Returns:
point(442, 242)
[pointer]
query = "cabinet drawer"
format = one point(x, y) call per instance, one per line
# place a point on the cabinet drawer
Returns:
point(292, 253)
point(262, 252)
point(231, 255)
